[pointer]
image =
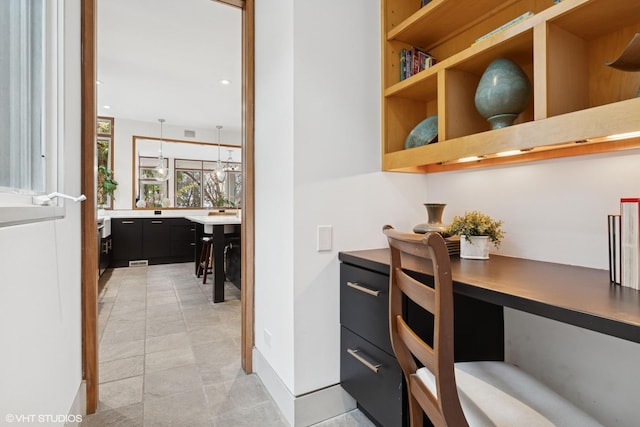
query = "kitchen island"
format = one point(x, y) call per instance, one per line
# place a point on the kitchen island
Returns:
point(217, 226)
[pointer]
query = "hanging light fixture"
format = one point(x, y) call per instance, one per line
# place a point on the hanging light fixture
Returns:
point(161, 172)
point(230, 166)
point(219, 171)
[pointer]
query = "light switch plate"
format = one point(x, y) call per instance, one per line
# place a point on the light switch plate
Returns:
point(325, 238)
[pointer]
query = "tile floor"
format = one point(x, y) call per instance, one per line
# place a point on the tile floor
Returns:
point(170, 357)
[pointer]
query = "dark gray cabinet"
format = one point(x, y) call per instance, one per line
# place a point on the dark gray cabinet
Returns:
point(155, 240)
point(126, 236)
point(369, 371)
point(104, 258)
point(182, 239)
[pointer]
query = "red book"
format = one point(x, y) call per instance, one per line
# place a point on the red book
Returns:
point(630, 241)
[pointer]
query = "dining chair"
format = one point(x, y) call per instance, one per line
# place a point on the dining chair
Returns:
point(486, 393)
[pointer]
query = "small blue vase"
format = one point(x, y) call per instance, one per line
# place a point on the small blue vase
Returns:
point(503, 93)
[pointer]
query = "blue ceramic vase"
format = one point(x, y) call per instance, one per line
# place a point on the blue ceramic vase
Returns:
point(503, 93)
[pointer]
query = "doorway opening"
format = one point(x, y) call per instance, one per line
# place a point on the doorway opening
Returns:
point(89, 217)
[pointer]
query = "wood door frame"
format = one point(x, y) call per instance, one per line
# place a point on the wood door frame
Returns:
point(88, 210)
point(88, 221)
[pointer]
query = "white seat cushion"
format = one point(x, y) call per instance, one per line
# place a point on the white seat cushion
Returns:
point(499, 394)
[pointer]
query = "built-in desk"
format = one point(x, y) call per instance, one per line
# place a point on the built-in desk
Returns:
point(576, 295)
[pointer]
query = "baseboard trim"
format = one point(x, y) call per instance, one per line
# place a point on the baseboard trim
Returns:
point(78, 410)
point(308, 409)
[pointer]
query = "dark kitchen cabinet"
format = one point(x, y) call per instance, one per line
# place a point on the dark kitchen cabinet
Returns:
point(152, 240)
point(155, 239)
point(126, 235)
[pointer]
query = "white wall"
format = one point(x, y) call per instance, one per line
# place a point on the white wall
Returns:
point(40, 306)
point(317, 163)
point(274, 145)
point(556, 210)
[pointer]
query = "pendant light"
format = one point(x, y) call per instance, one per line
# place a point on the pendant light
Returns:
point(230, 166)
point(161, 172)
point(219, 171)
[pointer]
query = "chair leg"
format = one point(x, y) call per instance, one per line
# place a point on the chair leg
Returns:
point(205, 264)
point(201, 259)
point(415, 412)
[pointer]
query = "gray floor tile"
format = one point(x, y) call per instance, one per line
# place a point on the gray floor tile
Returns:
point(121, 368)
point(123, 335)
point(166, 359)
point(130, 416)
point(241, 393)
point(264, 414)
point(161, 300)
point(120, 393)
point(167, 342)
point(353, 418)
point(172, 381)
point(170, 357)
point(178, 410)
point(155, 329)
point(121, 350)
point(131, 314)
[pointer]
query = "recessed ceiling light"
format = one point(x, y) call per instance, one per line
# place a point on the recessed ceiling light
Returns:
point(225, 82)
point(106, 107)
point(98, 82)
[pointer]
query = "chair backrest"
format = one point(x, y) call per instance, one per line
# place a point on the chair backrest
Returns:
point(443, 408)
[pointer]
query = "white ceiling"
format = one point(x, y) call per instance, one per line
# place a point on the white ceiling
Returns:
point(165, 59)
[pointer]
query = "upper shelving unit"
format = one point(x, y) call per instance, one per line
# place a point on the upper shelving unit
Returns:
point(578, 106)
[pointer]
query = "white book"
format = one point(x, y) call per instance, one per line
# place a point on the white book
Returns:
point(630, 242)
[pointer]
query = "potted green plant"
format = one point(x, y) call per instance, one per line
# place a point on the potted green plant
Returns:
point(476, 230)
point(106, 185)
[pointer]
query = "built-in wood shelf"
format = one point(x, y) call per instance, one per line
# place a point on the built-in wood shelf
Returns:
point(579, 105)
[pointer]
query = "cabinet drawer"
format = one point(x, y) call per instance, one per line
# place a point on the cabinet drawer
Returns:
point(364, 304)
point(378, 393)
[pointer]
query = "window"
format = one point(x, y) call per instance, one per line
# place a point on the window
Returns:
point(151, 192)
point(105, 160)
point(191, 182)
point(188, 183)
point(31, 112)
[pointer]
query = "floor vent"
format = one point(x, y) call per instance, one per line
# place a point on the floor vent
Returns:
point(139, 263)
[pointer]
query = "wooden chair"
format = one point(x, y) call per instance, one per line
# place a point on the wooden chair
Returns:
point(459, 394)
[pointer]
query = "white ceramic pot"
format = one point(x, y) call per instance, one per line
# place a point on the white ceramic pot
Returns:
point(477, 248)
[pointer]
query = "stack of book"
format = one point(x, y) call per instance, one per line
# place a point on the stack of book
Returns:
point(414, 60)
point(629, 236)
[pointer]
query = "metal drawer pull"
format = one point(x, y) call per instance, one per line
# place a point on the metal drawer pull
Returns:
point(127, 222)
point(375, 368)
point(364, 289)
point(156, 222)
